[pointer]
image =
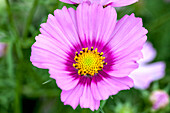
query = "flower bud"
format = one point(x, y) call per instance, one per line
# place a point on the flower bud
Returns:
point(159, 99)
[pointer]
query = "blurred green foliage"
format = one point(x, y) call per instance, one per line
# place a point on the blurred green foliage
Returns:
point(23, 87)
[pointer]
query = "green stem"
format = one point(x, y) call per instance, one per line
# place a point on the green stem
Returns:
point(18, 106)
point(14, 30)
point(10, 60)
point(17, 103)
point(14, 38)
point(10, 16)
point(30, 18)
point(19, 49)
point(103, 102)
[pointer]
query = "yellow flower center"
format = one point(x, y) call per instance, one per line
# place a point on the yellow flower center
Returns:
point(89, 62)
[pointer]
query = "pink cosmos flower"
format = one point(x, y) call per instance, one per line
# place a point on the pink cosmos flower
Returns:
point(88, 53)
point(114, 3)
point(2, 49)
point(146, 73)
point(159, 99)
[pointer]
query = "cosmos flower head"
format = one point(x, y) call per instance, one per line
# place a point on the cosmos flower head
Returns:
point(159, 99)
point(88, 53)
point(147, 73)
point(114, 3)
point(2, 49)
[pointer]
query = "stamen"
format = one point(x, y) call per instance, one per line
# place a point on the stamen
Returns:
point(76, 53)
point(83, 50)
point(101, 53)
point(91, 48)
point(89, 62)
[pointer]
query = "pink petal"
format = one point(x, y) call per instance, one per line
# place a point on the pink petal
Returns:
point(72, 97)
point(146, 74)
point(122, 69)
point(87, 100)
point(62, 28)
point(64, 79)
point(102, 89)
point(126, 44)
point(59, 36)
point(80, 94)
point(120, 3)
point(95, 22)
point(114, 3)
point(46, 50)
point(95, 89)
point(128, 30)
point(149, 53)
point(66, 19)
point(102, 2)
point(68, 1)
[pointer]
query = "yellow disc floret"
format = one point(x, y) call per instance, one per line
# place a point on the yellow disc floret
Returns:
point(89, 62)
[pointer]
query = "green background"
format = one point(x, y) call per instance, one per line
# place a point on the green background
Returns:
point(27, 89)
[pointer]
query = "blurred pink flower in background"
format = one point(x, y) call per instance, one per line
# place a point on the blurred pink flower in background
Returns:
point(114, 3)
point(2, 49)
point(146, 73)
point(159, 99)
